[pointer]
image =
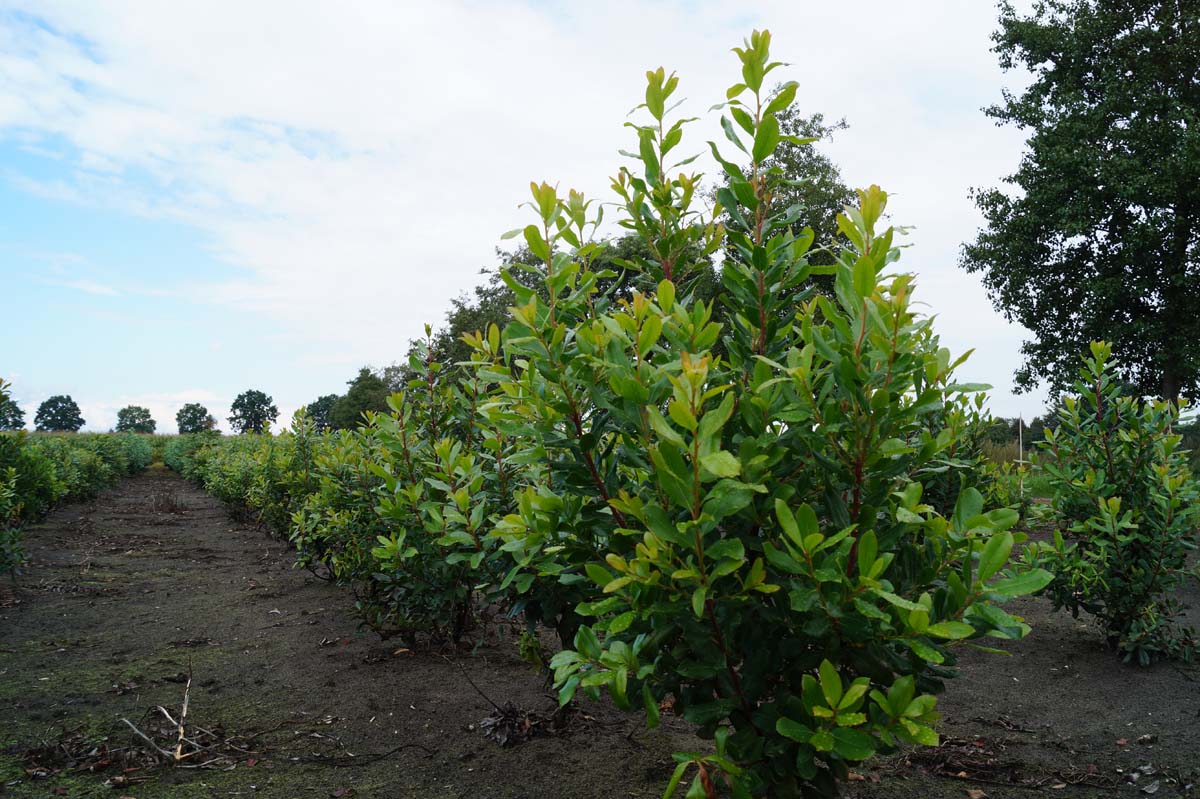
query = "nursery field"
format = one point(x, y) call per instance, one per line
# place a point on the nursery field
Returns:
point(128, 595)
point(708, 511)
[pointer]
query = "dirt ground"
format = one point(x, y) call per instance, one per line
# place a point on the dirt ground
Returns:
point(130, 595)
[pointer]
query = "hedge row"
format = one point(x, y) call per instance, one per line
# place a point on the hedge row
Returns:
point(40, 470)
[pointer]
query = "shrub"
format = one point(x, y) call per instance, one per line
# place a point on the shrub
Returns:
point(12, 552)
point(335, 527)
point(1127, 507)
point(38, 471)
point(764, 510)
point(750, 531)
point(445, 481)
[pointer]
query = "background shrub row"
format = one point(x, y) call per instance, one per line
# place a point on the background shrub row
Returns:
point(39, 470)
point(763, 509)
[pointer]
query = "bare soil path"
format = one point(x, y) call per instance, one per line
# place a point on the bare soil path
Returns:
point(130, 594)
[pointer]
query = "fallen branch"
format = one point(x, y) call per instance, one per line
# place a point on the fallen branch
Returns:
point(162, 752)
point(357, 760)
point(478, 690)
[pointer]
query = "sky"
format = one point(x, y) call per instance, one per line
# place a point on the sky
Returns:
point(197, 198)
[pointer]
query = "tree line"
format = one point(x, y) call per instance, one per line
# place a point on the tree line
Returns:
point(250, 413)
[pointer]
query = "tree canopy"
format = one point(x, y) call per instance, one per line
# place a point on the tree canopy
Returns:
point(251, 411)
point(367, 392)
point(11, 415)
point(135, 419)
point(58, 414)
point(489, 301)
point(811, 180)
point(319, 409)
point(194, 418)
point(1097, 235)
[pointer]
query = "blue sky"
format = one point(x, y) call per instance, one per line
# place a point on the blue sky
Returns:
point(107, 307)
point(199, 200)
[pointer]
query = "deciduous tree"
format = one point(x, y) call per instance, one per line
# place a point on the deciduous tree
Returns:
point(135, 419)
point(59, 414)
point(1098, 234)
point(251, 411)
point(367, 392)
point(194, 418)
point(319, 409)
point(11, 415)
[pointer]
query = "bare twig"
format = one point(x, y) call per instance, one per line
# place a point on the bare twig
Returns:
point(162, 752)
point(478, 690)
point(183, 714)
point(363, 760)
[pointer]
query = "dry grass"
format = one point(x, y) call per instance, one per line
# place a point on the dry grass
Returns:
point(1001, 453)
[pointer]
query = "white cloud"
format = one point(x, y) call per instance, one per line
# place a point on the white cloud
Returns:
point(359, 164)
point(87, 286)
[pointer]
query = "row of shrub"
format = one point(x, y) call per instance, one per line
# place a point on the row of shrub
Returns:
point(771, 512)
point(765, 509)
point(39, 470)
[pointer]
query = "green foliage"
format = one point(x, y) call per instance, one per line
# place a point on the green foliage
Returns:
point(58, 414)
point(11, 415)
point(135, 419)
point(318, 411)
point(811, 182)
point(194, 418)
point(252, 411)
point(1127, 508)
point(12, 552)
point(491, 300)
point(1097, 239)
point(730, 505)
point(444, 482)
point(367, 392)
point(749, 533)
point(40, 470)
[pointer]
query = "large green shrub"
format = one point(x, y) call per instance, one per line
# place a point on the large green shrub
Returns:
point(752, 510)
point(1127, 508)
point(752, 527)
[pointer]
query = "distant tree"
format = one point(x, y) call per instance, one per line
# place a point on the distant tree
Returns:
point(489, 302)
point(367, 392)
point(319, 409)
point(194, 418)
point(395, 376)
point(816, 183)
point(59, 414)
point(11, 415)
point(1099, 238)
point(135, 419)
point(251, 411)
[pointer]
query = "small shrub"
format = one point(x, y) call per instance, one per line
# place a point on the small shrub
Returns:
point(1127, 508)
point(12, 552)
